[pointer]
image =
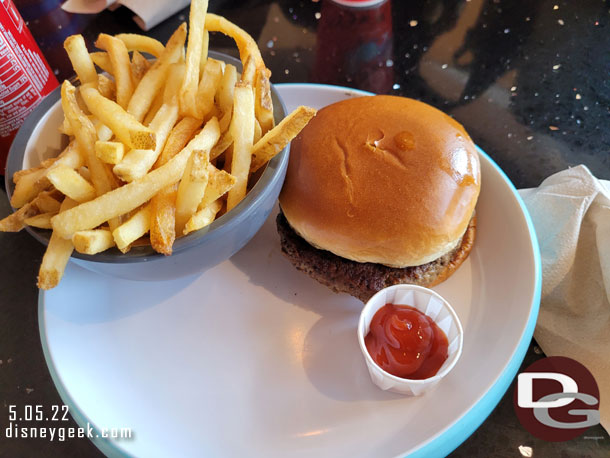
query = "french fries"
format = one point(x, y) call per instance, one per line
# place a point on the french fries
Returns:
point(72, 184)
point(188, 92)
point(121, 68)
point(92, 242)
point(135, 42)
point(127, 128)
point(277, 138)
point(56, 257)
point(139, 168)
point(79, 57)
point(242, 131)
point(195, 179)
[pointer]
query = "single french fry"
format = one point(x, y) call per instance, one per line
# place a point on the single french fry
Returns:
point(106, 86)
point(73, 185)
point(124, 199)
point(219, 183)
point(121, 66)
point(21, 173)
point(109, 152)
point(173, 83)
point(163, 204)
point(188, 92)
point(56, 256)
point(93, 241)
point(154, 78)
point(131, 230)
point(195, 179)
point(207, 88)
point(277, 138)
point(139, 66)
point(141, 43)
point(28, 187)
point(126, 128)
point(41, 221)
point(163, 220)
point(79, 57)
point(137, 162)
point(264, 104)
point(16, 221)
point(242, 131)
point(202, 217)
point(245, 43)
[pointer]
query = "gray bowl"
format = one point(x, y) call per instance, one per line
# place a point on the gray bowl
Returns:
point(193, 253)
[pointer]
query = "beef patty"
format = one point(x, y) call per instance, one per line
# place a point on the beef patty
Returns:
point(364, 279)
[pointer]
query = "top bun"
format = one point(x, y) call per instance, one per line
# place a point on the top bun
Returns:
point(382, 179)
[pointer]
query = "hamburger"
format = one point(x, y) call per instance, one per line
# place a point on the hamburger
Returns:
point(379, 190)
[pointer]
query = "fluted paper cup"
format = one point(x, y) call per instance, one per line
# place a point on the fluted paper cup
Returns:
point(426, 301)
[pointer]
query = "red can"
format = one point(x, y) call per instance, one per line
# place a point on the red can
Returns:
point(25, 76)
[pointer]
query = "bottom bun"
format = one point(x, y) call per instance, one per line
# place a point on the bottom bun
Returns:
point(363, 280)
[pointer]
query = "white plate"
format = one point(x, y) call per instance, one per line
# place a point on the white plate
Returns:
point(253, 358)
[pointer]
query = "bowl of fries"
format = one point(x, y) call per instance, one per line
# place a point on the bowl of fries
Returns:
point(181, 154)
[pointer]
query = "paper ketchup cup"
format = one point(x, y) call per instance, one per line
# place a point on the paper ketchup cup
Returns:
point(428, 302)
point(25, 76)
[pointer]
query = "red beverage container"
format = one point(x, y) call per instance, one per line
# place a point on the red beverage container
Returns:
point(354, 45)
point(25, 76)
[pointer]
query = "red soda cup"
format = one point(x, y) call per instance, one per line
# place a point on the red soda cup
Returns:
point(25, 76)
point(354, 45)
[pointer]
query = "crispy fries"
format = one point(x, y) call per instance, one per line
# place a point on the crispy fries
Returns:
point(242, 131)
point(127, 129)
point(154, 78)
point(135, 42)
point(277, 138)
point(121, 66)
point(92, 242)
point(188, 91)
point(139, 168)
point(195, 179)
point(81, 62)
point(109, 152)
point(138, 162)
point(56, 257)
point(203, 217)
point(71, 183)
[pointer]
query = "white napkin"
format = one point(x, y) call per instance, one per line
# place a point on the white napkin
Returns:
point(571, 214)
point(149, 13)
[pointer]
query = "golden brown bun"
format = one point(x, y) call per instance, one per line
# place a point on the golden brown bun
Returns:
point(382, 179)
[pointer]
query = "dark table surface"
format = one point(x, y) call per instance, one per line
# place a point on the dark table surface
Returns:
point(530, 81)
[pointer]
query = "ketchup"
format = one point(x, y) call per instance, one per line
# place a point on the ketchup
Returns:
point(405, 342)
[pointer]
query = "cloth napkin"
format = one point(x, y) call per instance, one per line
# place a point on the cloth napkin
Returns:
point(571, 215)
point(149, 13)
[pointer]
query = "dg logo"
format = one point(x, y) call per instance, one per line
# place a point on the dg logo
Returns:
point(556, 399)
